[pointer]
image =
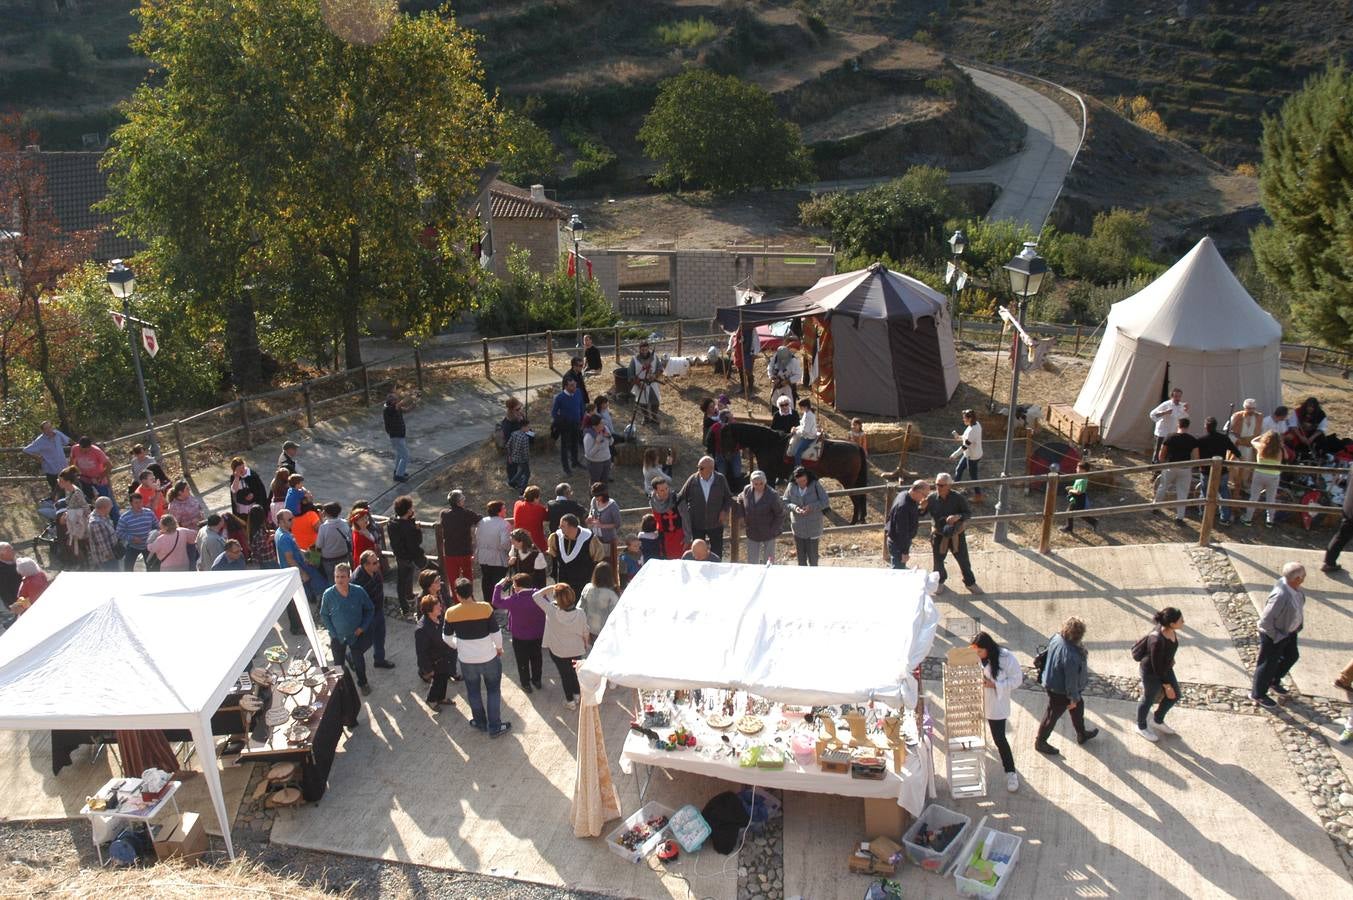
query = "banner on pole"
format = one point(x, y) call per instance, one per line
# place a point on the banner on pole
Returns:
point(949, 270)
point(962, 281)
point(149, 341)
point(119, 320)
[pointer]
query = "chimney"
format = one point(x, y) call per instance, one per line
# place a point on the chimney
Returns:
point(538, 192)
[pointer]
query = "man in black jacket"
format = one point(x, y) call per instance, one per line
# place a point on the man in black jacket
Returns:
point(904, 519)
point(707, 500)
point(458, 530)
point(406, 542)
point(395, 430)
point(368, 577)
point(562, 505)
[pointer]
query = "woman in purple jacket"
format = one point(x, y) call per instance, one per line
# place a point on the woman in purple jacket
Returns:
point(526, 622)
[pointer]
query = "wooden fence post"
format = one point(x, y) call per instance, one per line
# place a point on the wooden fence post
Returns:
point(549, 349)
point(1306, 358)
point(889, 495)
point(960, 328)
point(244, 421)
point(1049, 510)
point(418, 369)
point(1210, 507)
point(906, 445)
point(735, 539)
point(617, 345)
point(183, 458)
point(309, 405)
point(487, 373)
point(1077, 351)
point(678, 339)
point(1028, 447)
point(366, 386)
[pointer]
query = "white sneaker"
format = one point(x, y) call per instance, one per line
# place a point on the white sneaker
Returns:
point(1148, 734)
point(571, 704)
point(1162, 728)
point(1011, 782)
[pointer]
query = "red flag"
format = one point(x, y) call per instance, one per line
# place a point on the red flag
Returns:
point(149, 341)
point(572, 264)
point(119, 320)
point(589, 267)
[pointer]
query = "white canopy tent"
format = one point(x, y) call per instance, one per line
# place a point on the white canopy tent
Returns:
point(788, 633)
point(792, 634)
point(1195, 328)
point(124, 650)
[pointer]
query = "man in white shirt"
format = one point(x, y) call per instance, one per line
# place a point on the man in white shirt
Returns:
point(1278, 423)
point(1167, 416)
point(803, 435)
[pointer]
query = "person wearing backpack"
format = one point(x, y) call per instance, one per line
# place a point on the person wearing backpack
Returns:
point(1155, 652)
point(1066, 673)
point(1001, 674)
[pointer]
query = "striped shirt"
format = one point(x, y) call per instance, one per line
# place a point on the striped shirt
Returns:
point(472, 631)
point(134, 526)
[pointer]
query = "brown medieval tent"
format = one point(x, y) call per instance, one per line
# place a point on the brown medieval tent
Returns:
point(882, 342)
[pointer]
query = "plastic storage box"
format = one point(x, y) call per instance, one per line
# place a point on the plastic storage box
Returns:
point(645, 813)
point(689, 828)
point(934, 817)
point(995, 846)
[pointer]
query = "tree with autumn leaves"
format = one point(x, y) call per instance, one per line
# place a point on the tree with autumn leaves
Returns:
point(296, 181)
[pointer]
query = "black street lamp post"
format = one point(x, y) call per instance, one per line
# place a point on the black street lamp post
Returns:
point(575, 227)
point(958, 242)
point(1026, 277)
point(122, 282)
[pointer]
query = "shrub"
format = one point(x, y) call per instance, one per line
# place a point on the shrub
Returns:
point(528, 301)
point(687, 33)
point(1139, 110)
point(69, 54)
point(594, 159)
point(942, 86)
point(897, 220)
point(1119, 247)
point(1219, 41)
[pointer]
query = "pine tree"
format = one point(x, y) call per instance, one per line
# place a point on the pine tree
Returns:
point(1306, 186)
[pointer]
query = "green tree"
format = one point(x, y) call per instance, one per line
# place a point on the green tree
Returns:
point(719, 132)
point(1118, 248)
point(900, 219)
point(288, 174)
point(525, 150)
point(1306, 187)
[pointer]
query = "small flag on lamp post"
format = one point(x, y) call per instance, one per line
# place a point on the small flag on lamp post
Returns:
point(150, 342)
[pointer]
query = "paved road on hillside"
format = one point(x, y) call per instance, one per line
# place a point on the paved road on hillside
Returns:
point(1031, 179)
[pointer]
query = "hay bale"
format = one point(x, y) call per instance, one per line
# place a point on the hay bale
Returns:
point(888, 437)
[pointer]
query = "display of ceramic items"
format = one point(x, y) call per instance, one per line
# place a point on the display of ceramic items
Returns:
point(290, 686)
point(298, 667)
point(751, 724)
point(301, 713)
point(298, 734)
point(276, 716)
point(260, 675)
point(804, 748)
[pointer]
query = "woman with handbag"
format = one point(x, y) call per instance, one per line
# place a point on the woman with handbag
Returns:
point(1001, 674)
point(1066, 673)
point(168, 550)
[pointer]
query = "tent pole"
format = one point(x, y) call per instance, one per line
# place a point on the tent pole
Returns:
point(308, 624)
point(206, 753)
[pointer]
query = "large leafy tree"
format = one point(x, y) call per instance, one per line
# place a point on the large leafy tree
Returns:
point(719, 132)
point(290, 174)
point(1306, 186)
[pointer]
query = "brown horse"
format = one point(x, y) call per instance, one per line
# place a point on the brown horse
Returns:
point(841, 460)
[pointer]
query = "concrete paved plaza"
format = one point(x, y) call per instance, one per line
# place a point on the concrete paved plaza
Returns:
point(1222, 810)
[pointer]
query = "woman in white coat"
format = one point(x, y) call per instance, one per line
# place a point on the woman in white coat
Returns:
point(1001, 674)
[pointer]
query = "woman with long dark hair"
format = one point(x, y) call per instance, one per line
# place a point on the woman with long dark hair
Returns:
point(1158, 678)
point(1001, 674)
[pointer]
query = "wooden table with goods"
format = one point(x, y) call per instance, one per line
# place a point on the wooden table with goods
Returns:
point(305, 714)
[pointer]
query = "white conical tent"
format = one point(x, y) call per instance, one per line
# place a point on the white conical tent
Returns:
point(1195, 328)
point(139, 650)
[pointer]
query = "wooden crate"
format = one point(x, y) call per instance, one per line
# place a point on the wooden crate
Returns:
point(993, 426)
point(888, 437)
point(1064, 420)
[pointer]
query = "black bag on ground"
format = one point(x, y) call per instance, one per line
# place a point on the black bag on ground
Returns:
point(726, 817)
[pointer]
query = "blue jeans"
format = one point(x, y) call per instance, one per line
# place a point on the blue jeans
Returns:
point(969, 466)
point(1153, 687)
point(896, 554)
point(482, 716)
point(401, 448)
point(800, 445)
point(1223, 492)
point(129, 555)
point(518, 476)
point(377, 632)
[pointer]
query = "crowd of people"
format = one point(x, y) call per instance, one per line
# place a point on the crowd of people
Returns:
point(548, 573)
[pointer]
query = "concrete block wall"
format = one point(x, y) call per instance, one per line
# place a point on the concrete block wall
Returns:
point(605, 269)
point(644, 270)
point(702, 281)
point(791, 271)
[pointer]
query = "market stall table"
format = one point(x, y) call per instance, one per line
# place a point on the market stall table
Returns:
point(906, 788)
point(130, 808)
point(338, 705)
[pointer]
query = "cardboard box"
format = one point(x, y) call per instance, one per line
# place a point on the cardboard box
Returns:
point(185, 839)
point(869, 865)
point(884, 817)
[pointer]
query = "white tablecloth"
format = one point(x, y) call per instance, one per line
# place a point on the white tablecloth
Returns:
point(908, 788)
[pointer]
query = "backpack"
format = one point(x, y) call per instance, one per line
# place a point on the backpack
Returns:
point(1141, 649)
